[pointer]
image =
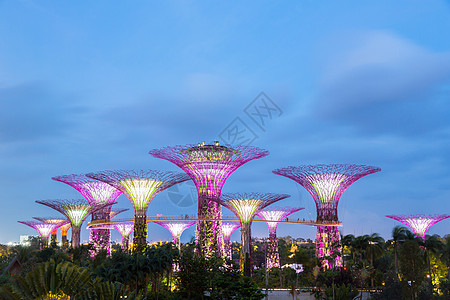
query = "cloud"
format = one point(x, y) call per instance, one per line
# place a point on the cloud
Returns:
point(30, 112)
point(386, 84)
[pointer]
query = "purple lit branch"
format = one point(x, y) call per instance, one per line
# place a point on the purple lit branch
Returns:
point(419, 224)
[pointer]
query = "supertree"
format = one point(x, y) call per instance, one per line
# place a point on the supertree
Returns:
point(326, 183)
point(176, 228)
point(227, 230)
point(125, 229)
point(53, 221)
point(419, 224)
point(44, 229)
point(76, 210)
point(96, 193)
point(273, 216)
point(140, 187)
point(209, 166)
point(64, 229)
point(245, 206)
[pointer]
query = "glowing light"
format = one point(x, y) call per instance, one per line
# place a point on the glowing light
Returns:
point(77, 213)
point(228, 228)
point(419, 224)
point(326, 185)
point(140, 191)
point(125, 229)
point(245, 208)
point(101, 193)
point(176, 228)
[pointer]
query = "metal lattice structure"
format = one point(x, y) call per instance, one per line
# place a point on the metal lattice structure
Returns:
point(227, 230)
point(176, 228)
point(209, 166)
point(420, 223)
point(76, 210)
point(44, 229)
point(245, 206)
point(96, 193)
point(326, 183)
point(51, 220)
point(125, 229)
point(140, 187)
point(273, 216)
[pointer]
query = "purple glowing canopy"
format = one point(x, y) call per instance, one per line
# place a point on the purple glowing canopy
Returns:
point(246, 205)
point(95, 192)
point(228, 228)
point(209, 165)
point(326, 183)
point(273, 215)
point(176, 228)
point(419, 224)
point(44, 229)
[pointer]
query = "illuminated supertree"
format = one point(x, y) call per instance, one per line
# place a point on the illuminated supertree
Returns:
point(245, 206)
point(64, 229)
point(419, 224)
point(44, 229)
point(176, 228)
point(76, 210)
point(125, 229)
point(326, 183)
point(209, 167)
point(53, 221)
point(96, 193)
point(227, 230)
point(272, 216)
point(140, 187)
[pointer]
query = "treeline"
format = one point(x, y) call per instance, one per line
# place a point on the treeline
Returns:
point(159, 272)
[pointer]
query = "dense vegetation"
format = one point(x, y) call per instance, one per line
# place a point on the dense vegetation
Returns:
point(403, 267)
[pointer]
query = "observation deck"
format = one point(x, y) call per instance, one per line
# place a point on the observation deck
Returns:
point(107, 224)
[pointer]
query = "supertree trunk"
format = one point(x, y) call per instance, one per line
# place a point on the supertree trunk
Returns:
point(53, 238)
point(100, 238)
point(125, 243)
point(209, 233)
point(76, 231)
point(328, 246)
point(227, 247)
point(44, 242)
point(246, 262)
point(140, 231)
point(64, 241)
point(273, 258)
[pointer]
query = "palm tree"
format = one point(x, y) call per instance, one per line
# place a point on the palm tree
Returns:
point(432, 244)
point(347, 241)
point(374, 249)
point(445, 252)
point(399, 234)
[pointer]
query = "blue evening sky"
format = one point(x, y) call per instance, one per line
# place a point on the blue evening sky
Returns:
point(93, 85)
